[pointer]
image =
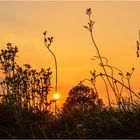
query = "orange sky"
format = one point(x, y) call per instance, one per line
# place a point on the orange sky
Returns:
point(115, 31)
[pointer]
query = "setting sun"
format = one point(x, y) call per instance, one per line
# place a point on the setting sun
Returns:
point(56, 96)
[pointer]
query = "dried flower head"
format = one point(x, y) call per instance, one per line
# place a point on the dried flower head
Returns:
point(88, 11)
point(48, 41)
point(44, 32)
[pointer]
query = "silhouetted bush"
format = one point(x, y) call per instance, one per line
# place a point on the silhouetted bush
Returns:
point(23, 86)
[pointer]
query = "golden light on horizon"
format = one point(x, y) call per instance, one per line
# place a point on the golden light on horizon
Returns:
point(64, 20)
point(56, 96)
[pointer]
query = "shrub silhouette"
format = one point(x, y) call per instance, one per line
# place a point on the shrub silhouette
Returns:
point(23, 103)
point(23, 86)
point(82, 97)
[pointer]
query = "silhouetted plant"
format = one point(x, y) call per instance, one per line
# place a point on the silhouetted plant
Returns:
point(138, 45)
point(83, 98)
point(23, 86)
point(108, 76)
point(48, 41)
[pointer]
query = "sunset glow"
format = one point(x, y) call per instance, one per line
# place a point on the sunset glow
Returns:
point(70, 69)
point(115, 31)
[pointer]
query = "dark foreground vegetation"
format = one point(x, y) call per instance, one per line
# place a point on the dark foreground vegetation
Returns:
point(96, 122)
point(24, 105)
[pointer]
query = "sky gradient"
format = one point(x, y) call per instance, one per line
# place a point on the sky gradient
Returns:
point(115, 32)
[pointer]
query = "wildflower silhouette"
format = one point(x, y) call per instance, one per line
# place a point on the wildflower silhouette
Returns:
point(48, 41)
point(112, 81)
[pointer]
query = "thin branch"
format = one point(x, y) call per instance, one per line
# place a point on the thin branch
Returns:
point(117, 82)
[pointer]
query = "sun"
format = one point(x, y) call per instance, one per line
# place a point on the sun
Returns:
point(56, 96)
